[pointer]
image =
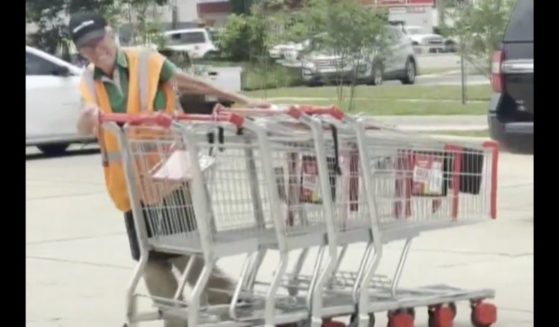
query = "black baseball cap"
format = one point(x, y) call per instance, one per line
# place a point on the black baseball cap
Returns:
point(86, 27)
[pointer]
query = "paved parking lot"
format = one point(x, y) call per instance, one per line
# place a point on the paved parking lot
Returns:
point(78, 261)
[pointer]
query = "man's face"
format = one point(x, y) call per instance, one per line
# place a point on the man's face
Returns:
point(100, 52)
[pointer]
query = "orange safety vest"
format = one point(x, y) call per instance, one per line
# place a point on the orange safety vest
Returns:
point(144, 71)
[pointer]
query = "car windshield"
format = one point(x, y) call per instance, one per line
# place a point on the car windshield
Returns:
point(521, 24)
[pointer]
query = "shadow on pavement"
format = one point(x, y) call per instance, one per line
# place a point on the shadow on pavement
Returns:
point(69, 153)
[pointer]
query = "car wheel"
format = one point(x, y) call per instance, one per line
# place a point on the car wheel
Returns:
point(376, 77)
point(53, 149)
point(410, 73)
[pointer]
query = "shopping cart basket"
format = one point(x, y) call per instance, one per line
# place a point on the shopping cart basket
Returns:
point(165, 177)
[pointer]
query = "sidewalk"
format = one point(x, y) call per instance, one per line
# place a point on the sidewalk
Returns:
point(436, 123)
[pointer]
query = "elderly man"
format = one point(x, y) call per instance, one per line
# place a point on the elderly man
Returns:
point(136, 81)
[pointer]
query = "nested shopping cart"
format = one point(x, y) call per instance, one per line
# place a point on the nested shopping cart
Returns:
point(419, 184)
point(166, 185)
point(406, 183)
point(297, 178)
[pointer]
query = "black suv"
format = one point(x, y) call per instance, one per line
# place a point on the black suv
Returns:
point(511, 111)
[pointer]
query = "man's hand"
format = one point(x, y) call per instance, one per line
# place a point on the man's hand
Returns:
point(196, 85)
point(88, 120)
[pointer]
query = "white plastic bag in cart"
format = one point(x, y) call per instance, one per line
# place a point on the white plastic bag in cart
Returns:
point(178, 167)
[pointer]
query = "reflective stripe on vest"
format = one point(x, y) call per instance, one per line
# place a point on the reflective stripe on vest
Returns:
point(143, 79)
point(89, 81)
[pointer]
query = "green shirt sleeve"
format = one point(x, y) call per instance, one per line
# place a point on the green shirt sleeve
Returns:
point(167, 71)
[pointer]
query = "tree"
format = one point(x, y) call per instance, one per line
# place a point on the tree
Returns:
point(480, 28)
point(50, 18)
point(344, 29)
point(244, 38)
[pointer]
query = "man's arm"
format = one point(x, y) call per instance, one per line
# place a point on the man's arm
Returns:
point(195, 85)
point(89, 115)
point(198, 86)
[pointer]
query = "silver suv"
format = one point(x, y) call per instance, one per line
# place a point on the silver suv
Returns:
point(321, 66)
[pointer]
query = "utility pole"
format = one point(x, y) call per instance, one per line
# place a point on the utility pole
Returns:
point(463, 73)
point(462, 6)
point(175, 14)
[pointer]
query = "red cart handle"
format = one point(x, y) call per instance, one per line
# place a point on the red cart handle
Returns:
point(229, 117)
point(293, 111)
point(165, 120)
point(314, 111)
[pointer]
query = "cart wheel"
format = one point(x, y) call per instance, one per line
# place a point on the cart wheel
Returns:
point(410, 311)
point(353, 320)
point(400, 319)
point(441, 316)
point(483, 314)
point(451, 306)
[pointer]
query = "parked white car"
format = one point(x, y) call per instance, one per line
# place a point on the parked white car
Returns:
point(420, 37)
point(196, 41)
point(52, 102)
point(319, 67)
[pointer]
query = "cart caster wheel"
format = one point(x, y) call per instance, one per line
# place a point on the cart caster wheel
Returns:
point(442, 316)
point(410, 311)
point(483, 314)
point(353, 321)
point(401, 318)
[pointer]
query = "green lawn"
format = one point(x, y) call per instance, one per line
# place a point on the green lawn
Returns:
point(475, 92)
point(389, 99)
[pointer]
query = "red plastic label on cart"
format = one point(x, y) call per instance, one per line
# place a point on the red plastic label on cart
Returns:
point(310, 187)
point(427, 175)
point(310, 184)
